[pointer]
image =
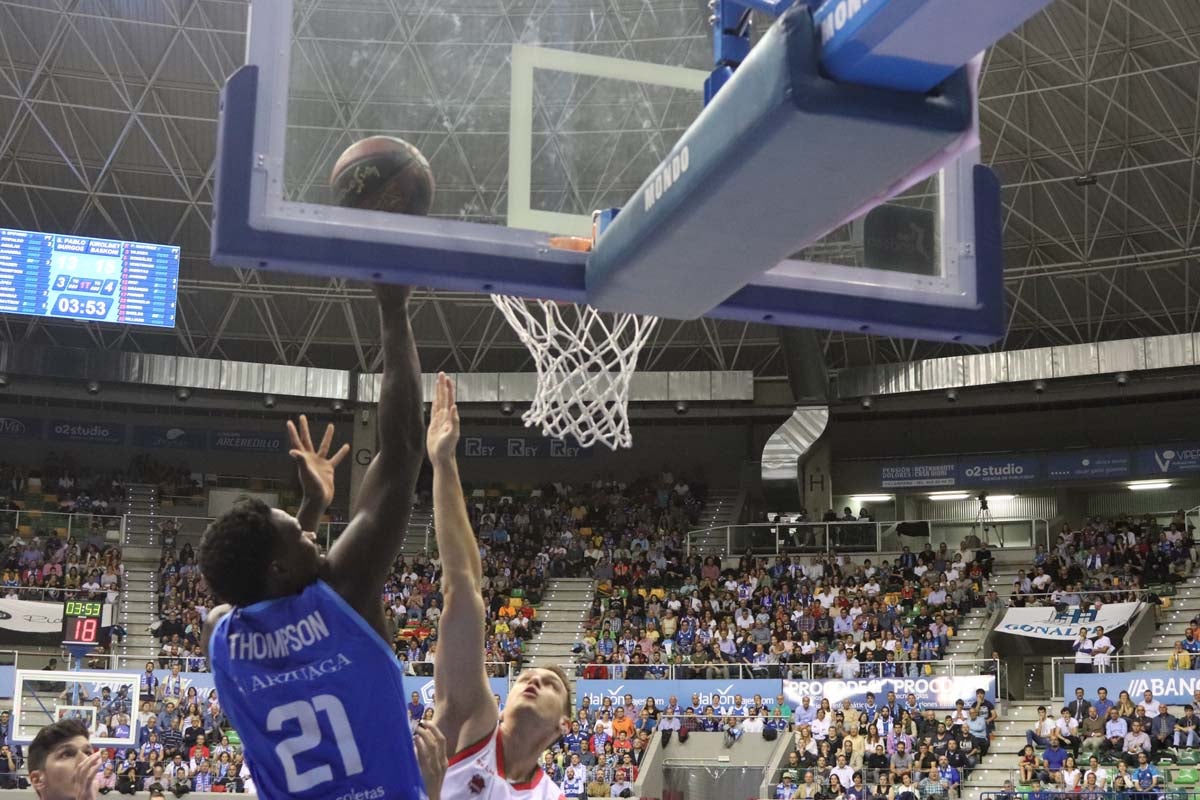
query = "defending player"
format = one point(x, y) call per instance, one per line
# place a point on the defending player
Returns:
point(299, 655)
point(495, 758)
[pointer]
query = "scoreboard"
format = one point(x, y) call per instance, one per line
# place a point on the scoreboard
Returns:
point(100, 280)
point(83, 620)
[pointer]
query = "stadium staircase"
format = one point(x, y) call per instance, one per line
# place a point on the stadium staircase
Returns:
point(141, 552)
point(1017, 717)
point(566, 605)
point(418, 541)
point(723, 507)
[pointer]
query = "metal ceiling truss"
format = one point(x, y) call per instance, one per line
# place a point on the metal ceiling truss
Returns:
point(1090, 113)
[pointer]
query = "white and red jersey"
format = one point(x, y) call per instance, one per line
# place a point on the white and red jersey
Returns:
point(477, 773)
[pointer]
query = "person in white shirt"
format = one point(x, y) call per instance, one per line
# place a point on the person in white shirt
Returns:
point(1083, 652)
point(843, 770)
point(820, 725)
point(752, 723)
point(1102, 648)
point(1148, 704)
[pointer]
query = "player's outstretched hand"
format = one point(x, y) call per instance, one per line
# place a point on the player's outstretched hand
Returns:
point(87, 774)
point(443, 422)
point(431, 756)
point(315, 465)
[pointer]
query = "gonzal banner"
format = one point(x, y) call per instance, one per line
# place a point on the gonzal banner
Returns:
point(1046, 622)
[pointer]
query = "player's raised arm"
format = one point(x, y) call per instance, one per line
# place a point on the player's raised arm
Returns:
point(316, 468)
point(464, 709)
point(360, 559)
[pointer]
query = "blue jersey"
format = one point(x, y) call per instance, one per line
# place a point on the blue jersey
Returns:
point(317, 698)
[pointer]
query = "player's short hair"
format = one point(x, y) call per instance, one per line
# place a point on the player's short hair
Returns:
point(568, 707)
point(236, 552)
point(51, 737)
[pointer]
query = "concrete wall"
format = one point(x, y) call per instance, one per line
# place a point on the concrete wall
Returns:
point(752, 750)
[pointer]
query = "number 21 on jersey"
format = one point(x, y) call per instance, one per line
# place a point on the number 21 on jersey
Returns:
point(305, 713)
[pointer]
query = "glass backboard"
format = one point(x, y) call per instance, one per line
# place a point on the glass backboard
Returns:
point(533, 114)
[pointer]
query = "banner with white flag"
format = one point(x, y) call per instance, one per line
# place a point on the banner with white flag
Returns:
point(29, 622)
point(1046, 622)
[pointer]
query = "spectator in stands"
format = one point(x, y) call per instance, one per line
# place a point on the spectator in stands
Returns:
point(1186, 728)
point(1162, 730)
point(1091, 732)
point(1039, 735)
point(1136, 744)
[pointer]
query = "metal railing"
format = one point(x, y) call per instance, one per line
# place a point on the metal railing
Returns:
point(730, 670)
point(63, 523)
point(190, 529)
point(812, 538)
point(1062, 666)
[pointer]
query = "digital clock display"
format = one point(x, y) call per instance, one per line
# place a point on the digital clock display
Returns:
point(82, 621)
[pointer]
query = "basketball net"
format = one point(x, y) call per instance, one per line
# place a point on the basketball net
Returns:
point(585, 362)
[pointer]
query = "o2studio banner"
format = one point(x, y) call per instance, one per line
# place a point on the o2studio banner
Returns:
point(1172, 688)
point(1047, 623)
point(28, 622)
point(935, 691)
point(712, 693)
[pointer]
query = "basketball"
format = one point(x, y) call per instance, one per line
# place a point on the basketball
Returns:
point(382, 173)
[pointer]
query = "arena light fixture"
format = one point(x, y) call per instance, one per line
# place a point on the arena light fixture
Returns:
point(1002, 497)
point(949, 496)
point(872, 498)
point(1145, 486)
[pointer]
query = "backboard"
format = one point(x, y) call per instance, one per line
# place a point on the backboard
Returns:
point(533, 114)
point(94, 697)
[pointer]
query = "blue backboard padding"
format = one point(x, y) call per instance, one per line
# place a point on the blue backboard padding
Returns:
point(779, 158)
point(981, 325)
point(912, 45)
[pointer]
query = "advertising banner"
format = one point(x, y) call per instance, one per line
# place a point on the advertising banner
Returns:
point(247, 441)
point(172, 438)
point(1088, 464)
point(935, 691)
point(66, 430)
point(1172, 688)
point(1045, 622)
point(908, 474)
point(519, 447)
point(978, 471)
point(20, 428)
point(1179, 459)
point(712, 693)
point(424, 688)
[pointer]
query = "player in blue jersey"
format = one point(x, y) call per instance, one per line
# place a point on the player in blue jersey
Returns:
point(299, 653)
point(493, 758)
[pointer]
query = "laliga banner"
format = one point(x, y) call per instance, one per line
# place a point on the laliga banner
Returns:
point(1171, 688)
point(712, 693)
point(936, 691)
point(1045, 622)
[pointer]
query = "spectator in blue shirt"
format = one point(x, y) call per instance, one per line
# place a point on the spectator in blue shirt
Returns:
point(1054, 757)
point(416, 709)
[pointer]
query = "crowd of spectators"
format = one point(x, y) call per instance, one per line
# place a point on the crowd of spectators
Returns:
point(1106, 561)
point(662, 614)
point(893, 748)
point(1097, 744)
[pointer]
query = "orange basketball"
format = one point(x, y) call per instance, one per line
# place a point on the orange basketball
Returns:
point(383, 173)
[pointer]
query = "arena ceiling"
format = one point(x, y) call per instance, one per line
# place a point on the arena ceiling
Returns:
point(1090, 114)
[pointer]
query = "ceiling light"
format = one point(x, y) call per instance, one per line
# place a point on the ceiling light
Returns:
point(872, 498)
point(1143, 486)
point(949, 496)
point(1002, 497)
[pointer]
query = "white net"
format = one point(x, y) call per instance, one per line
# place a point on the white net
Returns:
point(585, 361)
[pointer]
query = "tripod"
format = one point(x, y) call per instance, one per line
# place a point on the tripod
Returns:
point(984, 523)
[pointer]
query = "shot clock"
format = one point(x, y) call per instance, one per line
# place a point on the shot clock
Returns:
point(83, 620)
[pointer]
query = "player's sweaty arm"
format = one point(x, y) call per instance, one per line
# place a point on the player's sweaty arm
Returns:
point(463, 707)
point(362, 556)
